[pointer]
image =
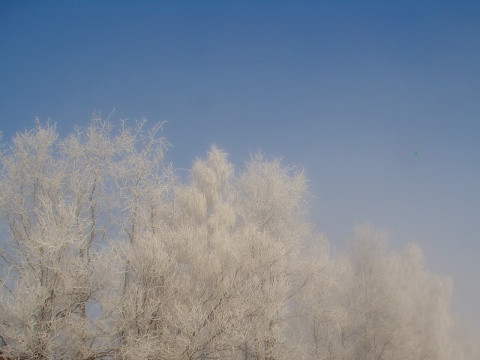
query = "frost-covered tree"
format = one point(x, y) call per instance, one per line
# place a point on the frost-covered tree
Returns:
point(45, 264)
point(273, 207)
point(107, 254)
point(319, 315)
point(61, 205)
point(423, 301)
point(225, 248)
point(395, 309)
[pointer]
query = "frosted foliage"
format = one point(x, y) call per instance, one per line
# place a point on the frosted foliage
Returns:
point(193, 201)
point(212, 176)
point(274, 198)
point(394, 309)
point(413, 258)
point(375, 305)
point(106, 254)
point(59, 199)
point(223, 218)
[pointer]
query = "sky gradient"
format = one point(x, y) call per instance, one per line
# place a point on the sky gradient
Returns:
point(379, 101)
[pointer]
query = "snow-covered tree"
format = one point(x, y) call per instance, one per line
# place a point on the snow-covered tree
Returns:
point(396, 310)
point(107, 254)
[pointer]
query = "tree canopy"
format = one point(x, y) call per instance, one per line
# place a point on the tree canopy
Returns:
point(107, 254)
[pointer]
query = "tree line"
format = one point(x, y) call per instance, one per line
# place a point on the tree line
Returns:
point(107, 253)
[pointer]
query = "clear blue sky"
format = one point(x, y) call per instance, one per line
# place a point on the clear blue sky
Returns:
point(379, 100)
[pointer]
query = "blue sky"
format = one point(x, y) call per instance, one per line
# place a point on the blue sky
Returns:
point(378, 100)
